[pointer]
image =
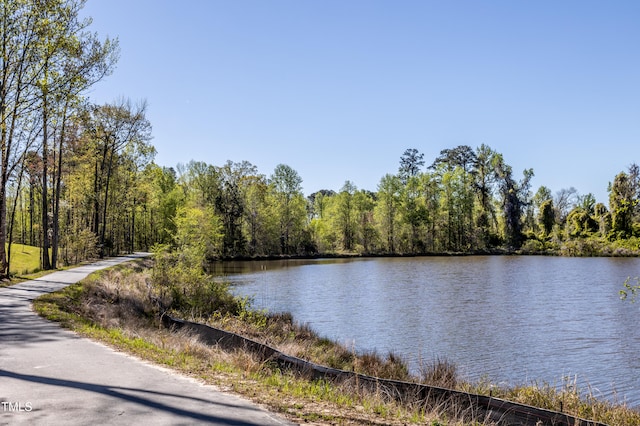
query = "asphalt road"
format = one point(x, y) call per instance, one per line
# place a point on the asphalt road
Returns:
point(51, 376)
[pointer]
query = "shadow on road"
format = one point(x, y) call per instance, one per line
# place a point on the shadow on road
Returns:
point(129, 395)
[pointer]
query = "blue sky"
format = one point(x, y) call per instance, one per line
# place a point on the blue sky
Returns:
point(339, 89)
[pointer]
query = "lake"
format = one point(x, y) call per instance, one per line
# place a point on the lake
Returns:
point(511, 319)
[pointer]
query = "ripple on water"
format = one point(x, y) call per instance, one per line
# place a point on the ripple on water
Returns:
point(513, 319)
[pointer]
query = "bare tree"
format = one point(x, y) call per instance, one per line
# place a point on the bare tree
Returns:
point(564, 201)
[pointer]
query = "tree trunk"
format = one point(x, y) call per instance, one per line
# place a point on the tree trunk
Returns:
point(103, 233)
point(96, 202)
point(132, 229)
point(4, 265)
point(32, 209)
point(46, 261)
point(56, 193)
point(13, 214)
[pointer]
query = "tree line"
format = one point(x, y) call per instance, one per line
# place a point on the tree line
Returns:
point(78, 179)
point(466, 200)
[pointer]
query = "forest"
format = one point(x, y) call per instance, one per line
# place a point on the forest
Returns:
point(79, 180)
point(465, 201)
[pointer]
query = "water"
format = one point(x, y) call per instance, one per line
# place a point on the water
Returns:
point(514, 320)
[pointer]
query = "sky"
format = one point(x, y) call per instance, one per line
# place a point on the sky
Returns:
point(338, 90)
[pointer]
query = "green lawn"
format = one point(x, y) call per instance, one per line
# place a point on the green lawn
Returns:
point(24, 259)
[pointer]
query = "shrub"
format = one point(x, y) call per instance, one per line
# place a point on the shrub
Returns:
point(533, 246)
point(184, 288)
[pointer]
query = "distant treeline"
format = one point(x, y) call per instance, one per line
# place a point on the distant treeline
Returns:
point(464, 201)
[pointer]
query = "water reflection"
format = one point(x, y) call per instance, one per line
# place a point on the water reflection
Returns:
point(247, 266)
point(514, 319)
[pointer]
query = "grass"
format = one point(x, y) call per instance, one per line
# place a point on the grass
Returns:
point(570, 398)
point(24, 259)
point(25, 264)
point(120, 307)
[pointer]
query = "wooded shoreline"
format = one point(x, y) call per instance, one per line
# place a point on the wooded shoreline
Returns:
point(491, 252)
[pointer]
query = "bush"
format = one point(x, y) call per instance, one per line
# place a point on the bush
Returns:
point(582, 247)
point(184, 288)
point(533, 246)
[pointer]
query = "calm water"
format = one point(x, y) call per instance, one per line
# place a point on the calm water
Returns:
point(512, 319)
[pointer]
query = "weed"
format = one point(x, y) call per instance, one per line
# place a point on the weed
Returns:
point(441, 373)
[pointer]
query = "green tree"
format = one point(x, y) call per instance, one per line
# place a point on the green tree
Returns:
point(165, 202)
point(622, 203)
point(317, 202)
point(19, 71)
point(456, 205)
point(485, 178)
point(199, 230)
point(230, 204)
point(45, 62)
point(603, 217)
point(290, 206)
point(543, 222)
point(431, 194)
point(364, 202)
point(321, 224)
point(410, 163)
point(414, 212)
point(456, 167)
point(115, 135)
point(389, 190)
point(514, 200)
point(346, 215)
point(546, 216)
point(634, 181)
point(580, 222)
point(203, 182)
point(462, 156)
point(255, 194)
point(71, 60)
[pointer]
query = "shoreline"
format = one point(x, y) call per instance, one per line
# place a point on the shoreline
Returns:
point(494, 252)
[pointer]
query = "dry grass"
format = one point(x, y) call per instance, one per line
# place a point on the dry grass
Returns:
point(441, 373)
point(280, 332)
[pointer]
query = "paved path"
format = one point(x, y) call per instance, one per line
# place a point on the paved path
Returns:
point(51, 376)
